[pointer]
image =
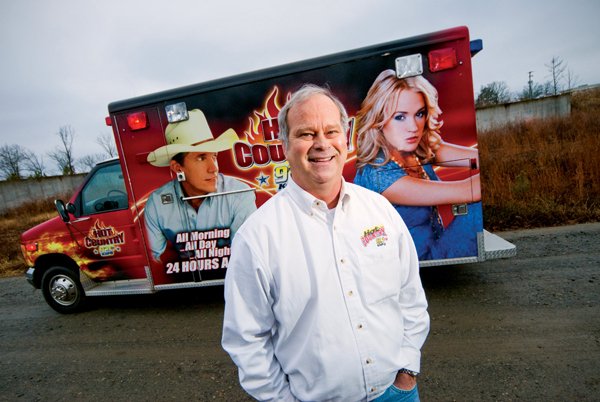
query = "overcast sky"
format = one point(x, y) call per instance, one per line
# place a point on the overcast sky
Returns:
point(63, 61)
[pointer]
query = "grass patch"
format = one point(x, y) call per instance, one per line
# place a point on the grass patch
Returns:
point(12, 224)
point(543, 172)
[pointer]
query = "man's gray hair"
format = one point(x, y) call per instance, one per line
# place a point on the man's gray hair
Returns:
point(301, 95)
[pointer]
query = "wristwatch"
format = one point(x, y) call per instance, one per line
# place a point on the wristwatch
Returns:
point(409, 372)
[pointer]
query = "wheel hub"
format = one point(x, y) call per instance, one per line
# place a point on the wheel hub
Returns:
point(63, 290)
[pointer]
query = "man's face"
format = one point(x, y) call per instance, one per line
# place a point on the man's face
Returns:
point(200, 170)
point(316, 149)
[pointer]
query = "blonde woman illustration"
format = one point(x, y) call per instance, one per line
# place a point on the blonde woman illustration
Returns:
point(399, 140)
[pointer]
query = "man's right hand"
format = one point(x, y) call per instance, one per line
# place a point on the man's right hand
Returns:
point(405, 381)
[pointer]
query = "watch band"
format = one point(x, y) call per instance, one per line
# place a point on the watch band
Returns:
point(409, 372)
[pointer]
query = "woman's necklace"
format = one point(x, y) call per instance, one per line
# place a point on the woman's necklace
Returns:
point(415, 169)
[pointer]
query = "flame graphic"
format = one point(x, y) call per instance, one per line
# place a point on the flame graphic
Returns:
point(258, 156)
point(269, 112)
point(94, 268)
point(47, 244)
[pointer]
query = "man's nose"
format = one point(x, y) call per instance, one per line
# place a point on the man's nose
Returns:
point(213, 166)
point(320, 141)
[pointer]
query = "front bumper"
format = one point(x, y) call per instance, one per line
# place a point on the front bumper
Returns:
point(29, 275)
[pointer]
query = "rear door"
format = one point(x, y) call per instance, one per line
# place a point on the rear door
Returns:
point(135, 140)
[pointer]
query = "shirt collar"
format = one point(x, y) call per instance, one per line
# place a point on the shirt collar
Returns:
point(307, 201)
point(178, 189)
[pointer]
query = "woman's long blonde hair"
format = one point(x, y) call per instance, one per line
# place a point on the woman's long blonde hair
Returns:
point(376, 111)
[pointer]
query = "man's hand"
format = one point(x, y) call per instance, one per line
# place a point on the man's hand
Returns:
point(405, 382)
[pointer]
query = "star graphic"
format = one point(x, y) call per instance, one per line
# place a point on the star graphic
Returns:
point(262, 180)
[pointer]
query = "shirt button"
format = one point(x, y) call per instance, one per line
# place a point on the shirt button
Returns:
point(342, 260)
point(359, 326)
point(373, 389)
point(350, 293)
point(368, 361)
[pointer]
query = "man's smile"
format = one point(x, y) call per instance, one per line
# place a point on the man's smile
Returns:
point(320, 159)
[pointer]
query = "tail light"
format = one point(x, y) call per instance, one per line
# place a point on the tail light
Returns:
point(442, 59)
point(137, 120)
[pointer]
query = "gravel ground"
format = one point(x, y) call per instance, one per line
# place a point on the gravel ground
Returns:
point(524, 328)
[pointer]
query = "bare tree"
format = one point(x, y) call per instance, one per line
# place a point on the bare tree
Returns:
point(88, 162)
point(11, 160)
point(106, 141)
point(64, 156)
point(572, 79)
point(556, 68)
point(494, 93)
point(34, 164)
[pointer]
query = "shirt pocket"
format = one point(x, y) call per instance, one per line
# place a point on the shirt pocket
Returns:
point(379, 274)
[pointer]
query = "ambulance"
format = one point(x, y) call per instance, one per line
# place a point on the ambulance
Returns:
point(194, 162)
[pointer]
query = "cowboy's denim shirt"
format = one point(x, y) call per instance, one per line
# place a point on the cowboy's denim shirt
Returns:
point(167, 215)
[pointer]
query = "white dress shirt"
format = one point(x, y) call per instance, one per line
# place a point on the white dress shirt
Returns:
point(322, 308)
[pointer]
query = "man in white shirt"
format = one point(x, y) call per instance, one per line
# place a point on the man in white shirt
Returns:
point(323, 295)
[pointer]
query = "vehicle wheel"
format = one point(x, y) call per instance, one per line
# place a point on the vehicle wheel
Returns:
point(62, 290)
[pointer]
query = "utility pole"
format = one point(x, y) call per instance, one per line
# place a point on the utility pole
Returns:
point(530, 82)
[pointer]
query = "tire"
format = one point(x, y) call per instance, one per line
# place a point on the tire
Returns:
point(62, 290)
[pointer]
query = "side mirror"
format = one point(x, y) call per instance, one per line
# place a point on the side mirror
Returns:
point(62, 210)
point(70, 208)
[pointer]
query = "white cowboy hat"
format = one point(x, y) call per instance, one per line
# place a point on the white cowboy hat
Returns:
point(192, 135)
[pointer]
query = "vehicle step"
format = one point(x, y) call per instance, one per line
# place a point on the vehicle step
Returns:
point(126, 287)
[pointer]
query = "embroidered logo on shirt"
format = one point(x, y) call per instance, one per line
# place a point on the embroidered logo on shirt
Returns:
point(376, 233)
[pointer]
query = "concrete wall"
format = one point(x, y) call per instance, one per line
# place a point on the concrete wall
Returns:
point(497, 115)
point(13, 193)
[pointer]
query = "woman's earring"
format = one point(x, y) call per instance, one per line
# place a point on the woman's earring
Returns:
point(180, 176)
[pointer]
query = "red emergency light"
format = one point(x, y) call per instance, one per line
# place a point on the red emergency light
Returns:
point(442, 59)
point(31, 247)
point(137, 120)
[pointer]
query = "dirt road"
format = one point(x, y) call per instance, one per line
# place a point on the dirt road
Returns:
point(525, 328)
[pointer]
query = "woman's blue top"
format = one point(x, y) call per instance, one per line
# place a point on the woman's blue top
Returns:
point(432, 240)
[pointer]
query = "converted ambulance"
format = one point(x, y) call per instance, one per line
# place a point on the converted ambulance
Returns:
point(194, 162)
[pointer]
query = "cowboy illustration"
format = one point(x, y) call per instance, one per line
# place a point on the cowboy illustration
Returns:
point(182, 205)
